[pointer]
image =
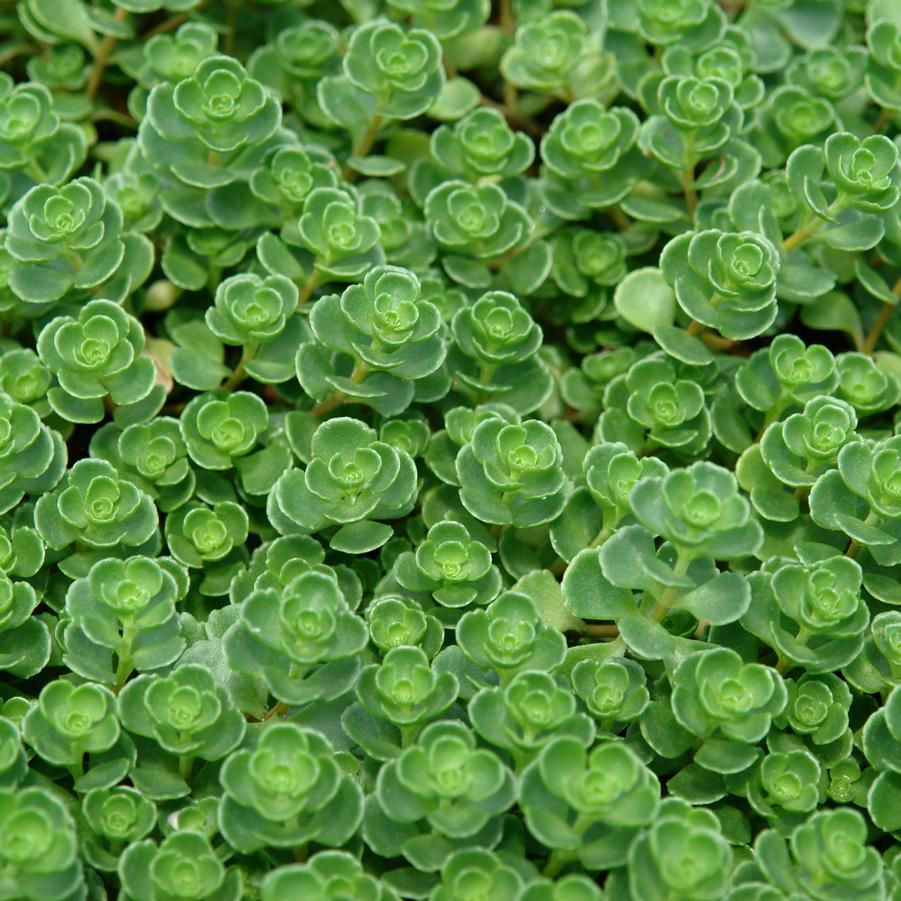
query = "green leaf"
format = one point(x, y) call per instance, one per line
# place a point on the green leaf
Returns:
point(360, 537)
point(834, 312)
point(679, 344)
point(549, 600)
point(375, 166)
point(458, 96)
point(195, 370)
point(588, 594)
point(874, 283)
point(883, 801)
point(70, 21)
point(722, 600)
point(645, 300)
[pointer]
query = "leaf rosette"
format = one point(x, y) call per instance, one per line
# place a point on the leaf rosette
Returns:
point(399, 67)
point(63, 238)
point(511, 474)
point(303, 640)
point(588, 803)
point(94, 357)
point(350, 477)
point(184, 864)
point(724, 280)
point(288, 791)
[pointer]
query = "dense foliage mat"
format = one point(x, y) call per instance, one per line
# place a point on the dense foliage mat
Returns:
point(450, 452)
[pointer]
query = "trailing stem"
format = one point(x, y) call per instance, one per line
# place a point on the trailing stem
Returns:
point(101, 59)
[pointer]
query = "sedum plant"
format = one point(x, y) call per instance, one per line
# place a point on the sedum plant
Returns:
point(444, 787)
point(68, 722)
point(684, 854)
point(511, 474)
point(452, 567)
point(480, 145)
point(383, 332)
point(302, 639)
point(450, 450)
point(94, 509)
point(289, 791)
point(527, 714)
point(62, 239)
point(588, 805)
point(589, 158)
point(183, 864)
point(350, 476)
point(329, 874)
point(96, 359)
point(724, 280)
point(42, 859)
point(123, 612)
point(153, 455)
point(114, 816)
point(555, 56)
point(33, 455)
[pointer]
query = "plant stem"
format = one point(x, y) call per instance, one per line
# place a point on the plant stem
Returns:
point(36, 171)
point(330, 403)
point(125, 667)
point(734, 8)
point(601, 630)
point(809, 229)
point(539, 232)
point(668, 595)
point(169, 25)
point(555, 863)
point(240, 372)
point(560, 858)
point(111, 115)
point(511, 99)
point(408, 735)
point(688, 191)
point(601, 537)
point(800, 235)
point(102, 58)
point(486, 373)
point(323, 408)
point(880, 322)
point(185, 765)
point(508, 25)
point(772, 415)
point(618, 217)
point(231, 17)
point(280, 708)
point(172, 22)
point(695, 328)
point(716, 342)
point(309, 286)
point(76, 770)
point(854, 546)
point(364, 145)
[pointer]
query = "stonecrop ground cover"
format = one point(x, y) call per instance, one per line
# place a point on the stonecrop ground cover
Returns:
point(450, 451)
